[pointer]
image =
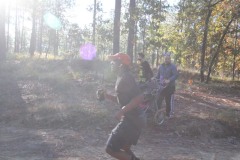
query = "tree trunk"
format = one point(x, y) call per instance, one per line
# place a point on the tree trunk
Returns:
point(16, 41)
point(132, 7)
point(204, 43)
point(8, 27)
point(157, 60)
point(2, 33)
point(94, 21)
point(135, 42)
point(233, 66)
point(153, 58)
point(22, 38)
point(116, 29)
point(143, 39)
point(56, 43)
point(40, 35)
point(235, 52)
point(218, 49)
point(33, 35)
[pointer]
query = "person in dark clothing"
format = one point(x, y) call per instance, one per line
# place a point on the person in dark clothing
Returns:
point(145, 71)
point(131, 116)
point(167, 74)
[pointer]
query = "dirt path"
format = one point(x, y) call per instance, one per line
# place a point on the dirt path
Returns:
point(44, 119)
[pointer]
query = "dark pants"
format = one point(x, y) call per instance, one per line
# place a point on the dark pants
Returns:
point(124, 134)
point(167, 95)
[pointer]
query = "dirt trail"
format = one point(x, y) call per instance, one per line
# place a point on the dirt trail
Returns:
point(44, 119)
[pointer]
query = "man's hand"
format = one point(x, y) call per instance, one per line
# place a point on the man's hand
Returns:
point(100, 94)
point(166, 81)
point(119, 115)
point(105, 93)
point(110, 96)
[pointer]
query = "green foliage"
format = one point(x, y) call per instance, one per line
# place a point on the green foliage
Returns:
point(159, 28)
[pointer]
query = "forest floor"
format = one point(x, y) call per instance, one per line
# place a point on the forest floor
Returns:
point(48, 110)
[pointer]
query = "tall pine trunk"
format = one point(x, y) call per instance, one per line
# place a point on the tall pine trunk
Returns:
point(94, 21)
point(56, 43)
point(22, 38)
point(130, 45)
point(33, 34)
point(204, 44)
point(2, 33)
point(235, 52)
point(116, 29)
point(40, 35)
point(16, 41)
point(8, 27)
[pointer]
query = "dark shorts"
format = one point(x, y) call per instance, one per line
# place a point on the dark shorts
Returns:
point(123, 134)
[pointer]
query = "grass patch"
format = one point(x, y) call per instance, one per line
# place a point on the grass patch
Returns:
point(56, 100)
point(230, 118)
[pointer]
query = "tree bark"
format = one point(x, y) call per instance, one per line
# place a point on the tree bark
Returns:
point(2, 33)
point(204, 44)
point(116, 29)
point(33, 34)
point(94, 21)
point(132, 7)
point(8, 27)
point(56, 43)
point(22, 33)
point(235, 52)
point(16, 41)
point(40, 35)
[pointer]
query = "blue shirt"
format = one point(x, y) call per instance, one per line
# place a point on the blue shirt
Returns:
point(167, 71)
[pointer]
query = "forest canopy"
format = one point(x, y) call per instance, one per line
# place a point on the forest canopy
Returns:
point(203, 36)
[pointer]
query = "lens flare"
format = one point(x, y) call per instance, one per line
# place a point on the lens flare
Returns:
point(88, 51)
point(52, 21)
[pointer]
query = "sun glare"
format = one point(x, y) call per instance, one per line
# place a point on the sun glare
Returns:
point(52, 21)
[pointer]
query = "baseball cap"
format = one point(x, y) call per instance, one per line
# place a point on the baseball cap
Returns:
point(122, 57)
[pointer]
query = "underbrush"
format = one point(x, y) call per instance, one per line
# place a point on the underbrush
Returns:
point(230, 119)
point(57, 93)
point(71, 100)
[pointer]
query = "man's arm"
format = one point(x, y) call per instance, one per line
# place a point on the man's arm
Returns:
point(110, 97)
point(130, 106)
point(133, 103)
point(175, 74)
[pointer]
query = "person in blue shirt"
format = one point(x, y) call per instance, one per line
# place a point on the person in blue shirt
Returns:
point(167, 74)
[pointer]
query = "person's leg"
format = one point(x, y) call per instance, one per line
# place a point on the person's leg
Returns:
point(172, 104)
point(128, 150)
point(116, 142)
point(168, 104)
point(160, 100)
point(120, 155)
point(169, 100)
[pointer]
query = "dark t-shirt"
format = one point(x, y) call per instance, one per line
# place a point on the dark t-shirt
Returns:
point(126, 89)
point(145, 71)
